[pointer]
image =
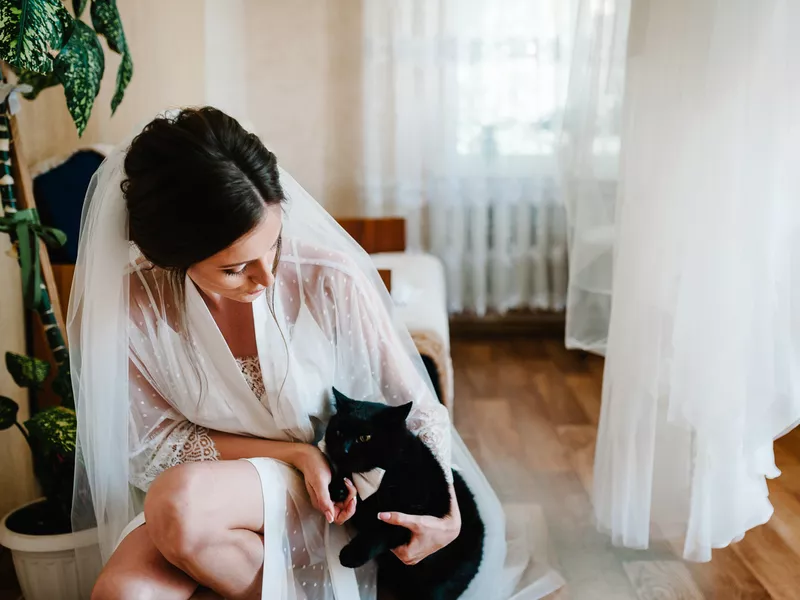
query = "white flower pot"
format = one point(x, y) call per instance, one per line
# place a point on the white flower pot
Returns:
point(48, 567)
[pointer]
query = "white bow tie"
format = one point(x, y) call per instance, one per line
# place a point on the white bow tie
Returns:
point(366, 483)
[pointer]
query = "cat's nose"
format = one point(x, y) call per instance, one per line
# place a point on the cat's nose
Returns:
point(346, 447)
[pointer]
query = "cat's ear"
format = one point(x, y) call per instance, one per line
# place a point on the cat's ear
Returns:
point(403, 410)
point(343, 403)
point(399, 414)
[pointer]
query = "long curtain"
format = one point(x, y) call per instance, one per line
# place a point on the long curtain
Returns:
point(463, 102)
point(590, 163)
point(703, 352)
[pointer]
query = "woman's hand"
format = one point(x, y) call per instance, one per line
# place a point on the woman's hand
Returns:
point(317, 474)
point(428, 534)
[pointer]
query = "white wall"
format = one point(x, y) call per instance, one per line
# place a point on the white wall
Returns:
point(226, 57)
point(303, 91)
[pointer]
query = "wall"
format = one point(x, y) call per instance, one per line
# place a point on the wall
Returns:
point(303, 92)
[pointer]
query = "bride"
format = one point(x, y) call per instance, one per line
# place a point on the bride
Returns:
point(214, 307)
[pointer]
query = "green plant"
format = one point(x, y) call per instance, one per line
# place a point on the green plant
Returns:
point(50, 434)
point(46, 46)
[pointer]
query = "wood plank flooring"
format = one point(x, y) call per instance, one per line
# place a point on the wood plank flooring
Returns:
point(528, 410)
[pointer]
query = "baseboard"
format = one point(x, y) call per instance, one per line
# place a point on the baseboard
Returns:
point(514, 323)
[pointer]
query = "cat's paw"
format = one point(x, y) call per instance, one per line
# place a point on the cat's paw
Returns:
point(352, 557)
point(338, 490)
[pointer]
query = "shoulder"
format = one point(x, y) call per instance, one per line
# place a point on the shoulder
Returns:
point(333, 272)
point(323, 259)
point(151, 296)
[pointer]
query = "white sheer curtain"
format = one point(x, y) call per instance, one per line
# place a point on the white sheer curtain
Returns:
point(703, 352)
point(590, 152)
point(463, 101)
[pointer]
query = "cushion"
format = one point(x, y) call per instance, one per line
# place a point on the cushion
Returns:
point(59, 193)
point(419, 295)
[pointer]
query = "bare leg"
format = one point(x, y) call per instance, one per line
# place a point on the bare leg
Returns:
point(138, 571)
point(205, 518)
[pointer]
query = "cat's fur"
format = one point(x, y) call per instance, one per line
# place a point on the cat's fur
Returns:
point(365, 435)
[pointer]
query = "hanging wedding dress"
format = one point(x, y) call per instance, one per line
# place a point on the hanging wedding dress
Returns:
point(151, 367)
point(703, 362)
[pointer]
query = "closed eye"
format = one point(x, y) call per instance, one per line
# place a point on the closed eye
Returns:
point(234, 272)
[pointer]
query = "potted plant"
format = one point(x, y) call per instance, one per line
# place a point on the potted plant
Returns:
point(39, 534)
point(46, 46)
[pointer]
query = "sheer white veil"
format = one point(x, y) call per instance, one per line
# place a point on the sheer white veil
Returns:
point(97, 325)
point(99, 331)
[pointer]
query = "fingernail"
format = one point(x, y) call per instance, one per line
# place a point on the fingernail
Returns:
point(384, 516)
point(329, 516)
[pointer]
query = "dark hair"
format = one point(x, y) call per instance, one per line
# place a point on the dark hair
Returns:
point(195, 183)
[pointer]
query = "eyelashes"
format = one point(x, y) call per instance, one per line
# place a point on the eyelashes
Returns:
point(234, 273)
point(276, 246)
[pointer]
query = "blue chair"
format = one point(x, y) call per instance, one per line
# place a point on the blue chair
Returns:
point(59, 194)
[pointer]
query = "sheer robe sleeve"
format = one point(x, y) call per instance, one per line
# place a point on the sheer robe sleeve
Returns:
point(376, 358)
point(160, 436)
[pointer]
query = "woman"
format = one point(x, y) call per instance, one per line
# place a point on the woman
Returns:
point(215, 305)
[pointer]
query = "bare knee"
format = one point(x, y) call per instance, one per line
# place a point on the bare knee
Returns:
point(177, 515)
point(116, 584)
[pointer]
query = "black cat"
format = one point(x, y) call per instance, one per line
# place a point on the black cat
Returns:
point(364, 435)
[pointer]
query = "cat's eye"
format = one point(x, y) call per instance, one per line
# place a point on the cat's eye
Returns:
point(364, 438)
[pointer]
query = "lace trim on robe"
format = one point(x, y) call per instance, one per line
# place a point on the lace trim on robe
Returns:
point(187, 442)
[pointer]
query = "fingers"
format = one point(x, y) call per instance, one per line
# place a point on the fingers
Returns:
point(411, 522)
point(347, 508)
point(321, 499)
point(351, 489)
point(406, 556)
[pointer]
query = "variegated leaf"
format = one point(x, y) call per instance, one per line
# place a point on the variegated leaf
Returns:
point(32, 31)
point(27, 371)
point(107, 22)
point(79, 67)
point(54, 430)
point(124, 75)
point(8, 412)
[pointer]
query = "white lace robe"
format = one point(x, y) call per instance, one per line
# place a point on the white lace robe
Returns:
point(184, 441)
point(326, 327)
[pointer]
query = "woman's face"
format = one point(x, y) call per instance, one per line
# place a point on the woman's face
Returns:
point(243, 270)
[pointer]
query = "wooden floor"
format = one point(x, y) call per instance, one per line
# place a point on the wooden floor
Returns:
point(528, 410)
